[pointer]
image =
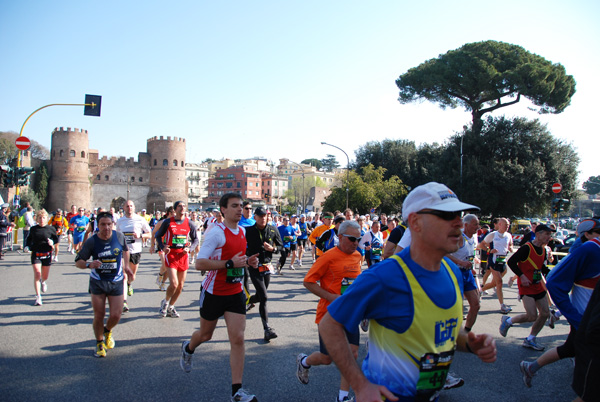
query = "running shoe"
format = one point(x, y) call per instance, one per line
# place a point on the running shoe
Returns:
point(527, 375)
point(250, 306)
point(171, 312)
point(125, 307)
point(300, 264)
point(243, 396)
point(129, 290)
point(532, 344)
point(292, 267)
point(552, 318)
point(44, 286)
point(185, 361)
point(100, 350)
point(301, 371)
point(347, 398)
point(453, 382)
point(504, 326)
point(109, 341)
point(38, 301)
point(504, 309)
point(163, 308)
point(270, 334)
point(364, 325)
point(163, 286)
point(159, 281)
point(511, 281)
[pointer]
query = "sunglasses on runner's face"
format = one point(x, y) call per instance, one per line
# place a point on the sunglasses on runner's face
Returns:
point(351, 238)
point(445, 215)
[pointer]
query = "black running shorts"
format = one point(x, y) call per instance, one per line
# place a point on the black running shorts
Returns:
point(212, 307)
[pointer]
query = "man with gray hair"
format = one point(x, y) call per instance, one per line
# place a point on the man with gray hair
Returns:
point(329, 277)
point(416, 318)
point(464, 257)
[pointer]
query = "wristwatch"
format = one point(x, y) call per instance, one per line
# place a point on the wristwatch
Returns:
point(229, 264)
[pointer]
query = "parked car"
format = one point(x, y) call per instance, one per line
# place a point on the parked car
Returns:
point(565, 247)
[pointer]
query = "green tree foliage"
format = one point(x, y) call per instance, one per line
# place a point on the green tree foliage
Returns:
point(330, 163)
point(40, 184)
point(509, 169)
point(313, 162)
point(368, 190)
point(592, 185)
point(402, 158)
point(485, 76)
point(294, 193)
point(32, 198)
point(9, 152)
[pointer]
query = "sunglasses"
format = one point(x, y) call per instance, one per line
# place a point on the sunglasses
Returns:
point(351, 238)
point(445, 215)
point(248, 209)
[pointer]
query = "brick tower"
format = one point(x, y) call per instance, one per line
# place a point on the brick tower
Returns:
point(167, 172)
point(69, 169)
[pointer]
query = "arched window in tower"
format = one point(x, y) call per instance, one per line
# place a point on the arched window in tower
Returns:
point(83, 154)
point(62, 153)
point(132, 178)
point(97, 177)
point(181, 163)
point(165, 162)
point(141, 180)
point(106, 178)
point(175, 162)
point(154, 162)
point(72, 153)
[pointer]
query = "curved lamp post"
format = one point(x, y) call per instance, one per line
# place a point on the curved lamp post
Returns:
point(347, 170)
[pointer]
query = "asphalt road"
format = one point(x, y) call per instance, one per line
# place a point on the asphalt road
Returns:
point(46, 352)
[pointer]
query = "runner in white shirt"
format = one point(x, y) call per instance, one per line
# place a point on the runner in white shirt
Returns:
point(135, 228)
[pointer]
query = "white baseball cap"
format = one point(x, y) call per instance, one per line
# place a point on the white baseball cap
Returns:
point(434, 196)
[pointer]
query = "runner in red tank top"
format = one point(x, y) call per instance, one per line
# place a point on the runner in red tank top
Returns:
point(179, 238)
point(223, 255)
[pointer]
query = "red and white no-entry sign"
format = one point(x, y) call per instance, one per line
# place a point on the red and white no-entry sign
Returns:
point(23, 143)
point(556, 188)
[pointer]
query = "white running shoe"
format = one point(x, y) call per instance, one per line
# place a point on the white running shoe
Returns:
point(38, 301)
point(243, 396)
point(44, 287)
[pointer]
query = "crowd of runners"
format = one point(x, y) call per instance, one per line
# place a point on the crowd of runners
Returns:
point(437, 251)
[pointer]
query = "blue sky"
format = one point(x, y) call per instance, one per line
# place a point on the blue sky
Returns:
point(240, 79)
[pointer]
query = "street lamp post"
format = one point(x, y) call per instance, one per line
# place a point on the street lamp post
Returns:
point(347, 170)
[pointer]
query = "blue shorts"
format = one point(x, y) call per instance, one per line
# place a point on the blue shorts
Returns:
point(468, 280)
point(78, 237)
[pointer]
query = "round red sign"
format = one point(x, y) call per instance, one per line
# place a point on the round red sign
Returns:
point(556, 188)
point(22, 143)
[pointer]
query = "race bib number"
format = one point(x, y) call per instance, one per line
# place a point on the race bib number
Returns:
point(537, 276)
point(235, 275)
point(346, 283)
point(80, 229)
point(266, 269)
point(376, 252)
point(433, 370)
point(107, 267)
point(129, 237)
point(500, 259)
point(179, 242)
point(43, 256)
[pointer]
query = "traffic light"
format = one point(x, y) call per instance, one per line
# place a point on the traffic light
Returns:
point(5, 176)
point(21, 175)
point(555, 208)
point(564, 204)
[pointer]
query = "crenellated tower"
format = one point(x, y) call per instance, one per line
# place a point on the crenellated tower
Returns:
point(69, 169)
point(167, 171)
